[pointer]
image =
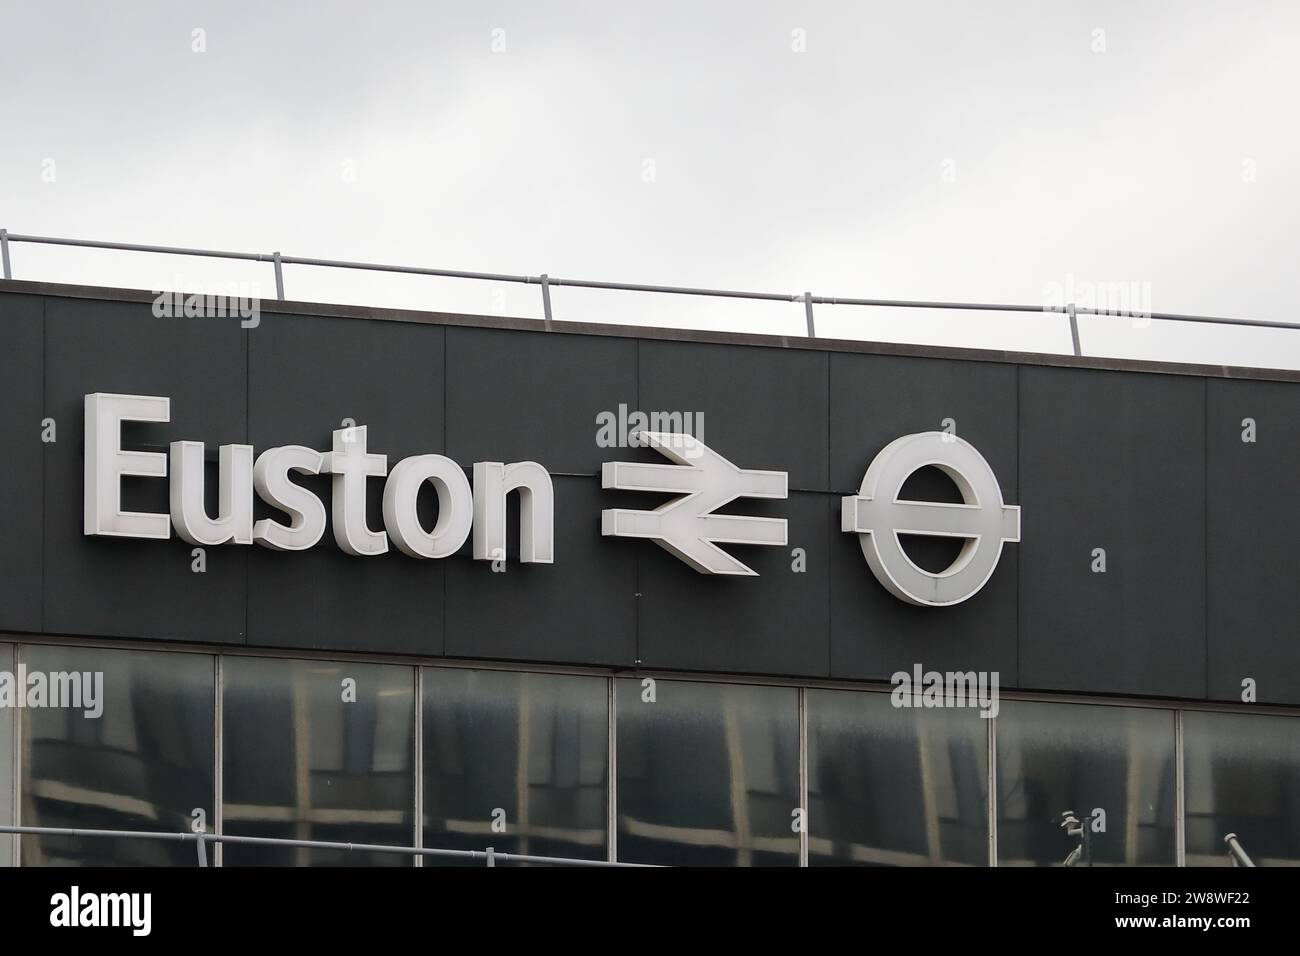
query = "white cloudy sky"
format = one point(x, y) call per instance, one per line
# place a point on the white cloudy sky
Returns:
point(921, 150)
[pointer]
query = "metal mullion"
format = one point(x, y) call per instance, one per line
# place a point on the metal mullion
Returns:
point(219, 737)
point(18, 768)
point(1180, 793)
point(993, 790)
point(418, 762)
point(15, 765)
point(803, 776)
point(611, 785)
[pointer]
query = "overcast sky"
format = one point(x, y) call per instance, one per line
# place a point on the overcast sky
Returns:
point(997, 152)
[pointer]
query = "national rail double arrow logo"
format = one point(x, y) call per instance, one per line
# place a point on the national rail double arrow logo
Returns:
point(687, 526)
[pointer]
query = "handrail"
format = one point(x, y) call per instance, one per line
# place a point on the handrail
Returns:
point(545, 281)
point(490, 856)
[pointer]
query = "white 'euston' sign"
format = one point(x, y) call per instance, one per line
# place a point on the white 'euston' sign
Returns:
point(349, 462)
point(688, 526)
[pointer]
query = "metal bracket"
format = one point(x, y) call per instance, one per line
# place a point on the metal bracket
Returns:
point(546, 311)
point(1236, 853)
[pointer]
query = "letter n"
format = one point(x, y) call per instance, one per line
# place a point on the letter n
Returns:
point(492, 482)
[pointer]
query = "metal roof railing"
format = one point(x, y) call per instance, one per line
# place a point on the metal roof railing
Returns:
point(546, 282)
point(488, 856)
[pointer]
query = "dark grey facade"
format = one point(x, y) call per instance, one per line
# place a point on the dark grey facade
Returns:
point(1145, 461)
point(616, 705)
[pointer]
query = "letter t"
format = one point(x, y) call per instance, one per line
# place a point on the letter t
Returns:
point(351, 466)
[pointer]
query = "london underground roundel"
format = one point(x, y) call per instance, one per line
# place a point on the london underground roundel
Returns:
point(878, 517)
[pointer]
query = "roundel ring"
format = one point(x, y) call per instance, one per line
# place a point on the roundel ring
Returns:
point(879, 517)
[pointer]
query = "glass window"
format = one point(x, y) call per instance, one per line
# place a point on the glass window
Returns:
point(145, 761)
point(895, 786)
point(6, 758)
point(317, 750)
point(1243, 777)
point(708, 774)
point(517, 762)
point(1057, 757)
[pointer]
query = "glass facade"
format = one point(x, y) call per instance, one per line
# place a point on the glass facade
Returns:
point(703, 772)
point(145, 762)
point(1243, 777)
point(518, 762)
point(867, 763)
point(708, 774)
point(315, 750)
point(1112, 767)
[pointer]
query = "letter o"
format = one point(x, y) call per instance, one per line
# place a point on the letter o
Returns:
point(455, 506)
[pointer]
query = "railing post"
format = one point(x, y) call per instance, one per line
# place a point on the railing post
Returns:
point(279, 276)
point(491, 857)
point(546, 311)
point(807, 310)
point(1074, 328)
point(203, 850)
point(1238, 855)
point(4, 252)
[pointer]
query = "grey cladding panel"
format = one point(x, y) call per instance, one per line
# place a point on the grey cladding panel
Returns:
point(1112, 461)
point(132, 588)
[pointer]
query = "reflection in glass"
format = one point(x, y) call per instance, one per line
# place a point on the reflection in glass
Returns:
point(1057, 757)
point(1243, 777)
point(528, 752)
point(144, 764)
point(708, 774)
point(316, 750)
point(894, 786)
point(6, 763)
